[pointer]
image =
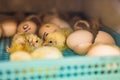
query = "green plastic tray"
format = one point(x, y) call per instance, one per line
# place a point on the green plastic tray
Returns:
point(71, 67)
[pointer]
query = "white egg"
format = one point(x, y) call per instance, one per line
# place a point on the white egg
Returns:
point(9, 28)
point(104, 50)
point(82, 48)
point(20, 55)
point(80, 41)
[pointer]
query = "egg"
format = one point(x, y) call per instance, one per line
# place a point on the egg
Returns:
point(46, 52)
point(20, 55)
point(82, 48)
point(104, 37)
point(80, 41)
point(9, 28)
point(27, 27)
point(104, 50)
point(48, 28)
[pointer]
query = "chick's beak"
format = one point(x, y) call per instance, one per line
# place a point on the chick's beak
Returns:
point(32, 43)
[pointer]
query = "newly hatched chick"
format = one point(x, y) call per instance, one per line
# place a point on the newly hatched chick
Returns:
point(56, 39)
point(32, 42)
point(17, 44)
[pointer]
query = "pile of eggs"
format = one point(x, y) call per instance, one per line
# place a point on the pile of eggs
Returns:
point(81, 40)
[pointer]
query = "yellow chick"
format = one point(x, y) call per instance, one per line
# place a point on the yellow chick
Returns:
point(32, 42)
point(17, 44)
point(46, 52)
point(56, 39)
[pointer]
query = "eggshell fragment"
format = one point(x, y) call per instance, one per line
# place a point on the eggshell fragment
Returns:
point(80, 41)
point(104, 50)
point(104, 37)
point(9, 28)
point(27, 27)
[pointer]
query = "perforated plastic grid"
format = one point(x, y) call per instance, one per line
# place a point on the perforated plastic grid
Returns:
point(72, 67)
point(3, 43)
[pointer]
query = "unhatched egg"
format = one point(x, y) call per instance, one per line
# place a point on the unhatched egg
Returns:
point(104, 50)
point(27, 27)
point(80, 41)
point(82, 48)
point(9, 28)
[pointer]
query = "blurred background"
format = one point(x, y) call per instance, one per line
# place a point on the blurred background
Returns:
point(107, 11)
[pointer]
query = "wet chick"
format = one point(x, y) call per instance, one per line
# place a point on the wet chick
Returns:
point(56, 39)
point(17, 44)
point(32, 42)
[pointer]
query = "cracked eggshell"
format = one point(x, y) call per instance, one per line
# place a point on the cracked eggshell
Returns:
point(104, 38)
point(104, 50)
point(27, 27)
point(9, 28)
point(81, 24)
point(79, 41)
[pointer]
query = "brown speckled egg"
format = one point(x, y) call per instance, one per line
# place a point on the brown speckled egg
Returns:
point(27, 27)
point(80, 41)
point(9, 28)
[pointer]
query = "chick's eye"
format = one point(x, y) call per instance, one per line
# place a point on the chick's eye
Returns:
point(36, 41)
point(28, 40)
point(50, 42)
